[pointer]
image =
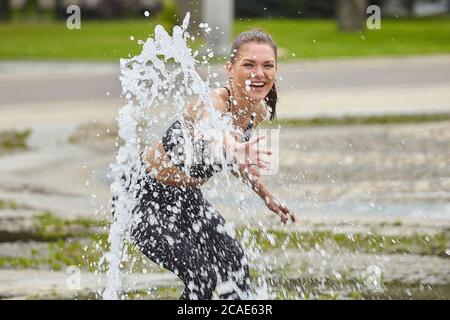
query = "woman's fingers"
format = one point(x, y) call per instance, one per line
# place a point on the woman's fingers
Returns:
point(293, 218)
point(279, 210)
point(263, 160)
point(284, 218)
point(264, 151)
point(288, 213)
point(263, 165)
point(256, 139)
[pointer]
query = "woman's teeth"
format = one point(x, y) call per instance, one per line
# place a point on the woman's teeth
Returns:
point(255, 84)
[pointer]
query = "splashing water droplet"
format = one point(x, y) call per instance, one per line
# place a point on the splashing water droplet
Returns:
point(162, 77)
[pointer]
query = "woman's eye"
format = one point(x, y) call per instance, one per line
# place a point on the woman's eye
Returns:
point(248, 65)
point(269, 65)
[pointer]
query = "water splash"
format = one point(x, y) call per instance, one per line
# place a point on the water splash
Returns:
point(157, 85)
point(147, 84)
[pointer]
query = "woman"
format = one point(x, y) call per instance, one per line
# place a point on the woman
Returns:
point(178, 228)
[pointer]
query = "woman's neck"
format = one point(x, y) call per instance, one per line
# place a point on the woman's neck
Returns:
point(242, 107)
point(241, 115)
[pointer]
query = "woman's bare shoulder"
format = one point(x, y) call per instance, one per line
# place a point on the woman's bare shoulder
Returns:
point(196, 107)
point(194, 110)
point(220, 98)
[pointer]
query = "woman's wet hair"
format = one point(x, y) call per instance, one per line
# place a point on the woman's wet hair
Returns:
point(258, 36)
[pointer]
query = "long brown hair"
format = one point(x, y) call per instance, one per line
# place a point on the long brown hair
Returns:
point(259, 36)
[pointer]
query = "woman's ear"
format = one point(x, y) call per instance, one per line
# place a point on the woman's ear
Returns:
point(229, 68)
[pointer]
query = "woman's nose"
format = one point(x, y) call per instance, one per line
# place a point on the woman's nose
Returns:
point(259, 72)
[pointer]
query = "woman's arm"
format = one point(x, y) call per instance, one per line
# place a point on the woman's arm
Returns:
point(160, 166)
point(223, 142)
point(261, 190)
point(253, 180)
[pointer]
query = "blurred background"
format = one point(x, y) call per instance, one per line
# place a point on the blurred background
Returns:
point(364, 118)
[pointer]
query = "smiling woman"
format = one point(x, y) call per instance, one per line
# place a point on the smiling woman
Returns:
point(178, 228)
point(253, 62)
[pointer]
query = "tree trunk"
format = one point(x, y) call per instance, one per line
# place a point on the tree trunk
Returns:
point(351, 14)
point(409, 4)
point(5, 10)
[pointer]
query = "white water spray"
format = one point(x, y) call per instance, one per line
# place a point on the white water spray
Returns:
point(156, 84)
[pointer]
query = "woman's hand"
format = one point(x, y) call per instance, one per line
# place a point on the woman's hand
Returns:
point(248, 155)
point(281, 210)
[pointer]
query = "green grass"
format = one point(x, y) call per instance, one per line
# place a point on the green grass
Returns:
point(49, 227)
point(359, 120)
point(110, 40)
point(71, 242)
point(157, 293)
point(84, 248)
point(416, 243)
point(75, 242)
point(7, 204)
point(84, 253)
point(321, 38)
point(59, 254)
point(106, 40)
point(355, 289)
point(11, 140)
point(46, 219)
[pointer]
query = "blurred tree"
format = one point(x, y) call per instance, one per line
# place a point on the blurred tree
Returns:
point(60, 9)
point(5, 10)
point(268, 8)
point(31, 8)
point(169, 12)
point(285, 8)
point(351, 14)
point(318, 9)
point(409, 4)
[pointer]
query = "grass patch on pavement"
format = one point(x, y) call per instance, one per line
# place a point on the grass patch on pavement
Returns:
point(360, 120)
point(421, 244)
point(12, 140)
point(7, 204)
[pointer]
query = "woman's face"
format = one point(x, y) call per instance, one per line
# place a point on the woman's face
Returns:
point(253, 71)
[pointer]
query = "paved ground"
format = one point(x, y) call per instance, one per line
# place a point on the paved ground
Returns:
point(309, 88)
point(54, 98)
point(335, 177)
